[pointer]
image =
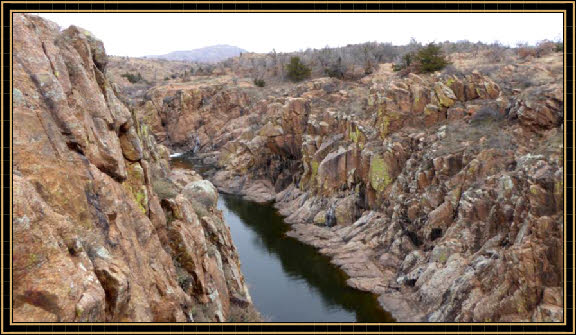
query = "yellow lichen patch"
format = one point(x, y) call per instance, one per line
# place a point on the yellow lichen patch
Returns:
point(142, 199)
point(379, 175)
point(385, 121)
point(134, 184)
point(356, 136)
point(559, 187)
point(310, 179)
point(444, 94)
point(314, 168)
point(353, 134)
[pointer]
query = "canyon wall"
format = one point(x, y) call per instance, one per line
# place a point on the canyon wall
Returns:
point(103, 229)
point(442, 193)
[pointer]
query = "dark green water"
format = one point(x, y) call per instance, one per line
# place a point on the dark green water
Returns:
point(290, 281)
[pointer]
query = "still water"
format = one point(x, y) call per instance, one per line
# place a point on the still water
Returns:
point(288, 280)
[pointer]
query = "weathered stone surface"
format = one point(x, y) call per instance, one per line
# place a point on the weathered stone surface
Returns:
point(537, 109)
point(202, 191)
point(444, 94)
point(441, 193)
point(92, 239)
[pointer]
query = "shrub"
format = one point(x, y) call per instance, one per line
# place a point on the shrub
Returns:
point(525, 52)
point(544, 48)
point(243, 314)
point(335, 70)
point(296, 70)
point(430, 59)
point(133, 78)
point(405, 62)
point(485, 115)
point(427, 59)
point(559, 47)
point(334, 73)
point(259, 82)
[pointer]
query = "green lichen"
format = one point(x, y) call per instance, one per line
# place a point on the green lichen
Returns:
point(356, 136)
point(144, 130)
point(32, 259)
point(314, 170)
point(311, 179)
point(141, 199)
point(450, 81)
point(440, 254)
point(534, 189)
point(385, 123)
point(371, 100)
point(445, 101)
point(429, 111)
point(443, 258)
point(379, 176)
point(559, 187)
point(79, 311)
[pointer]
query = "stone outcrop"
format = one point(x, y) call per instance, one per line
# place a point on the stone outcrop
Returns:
point(440, 193)
point(103, 230)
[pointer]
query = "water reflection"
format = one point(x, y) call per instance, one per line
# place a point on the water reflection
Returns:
point(291, 281)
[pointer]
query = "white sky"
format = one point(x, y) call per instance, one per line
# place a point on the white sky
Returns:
point(140, 34)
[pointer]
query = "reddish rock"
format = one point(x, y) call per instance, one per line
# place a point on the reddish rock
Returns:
point(90, 233)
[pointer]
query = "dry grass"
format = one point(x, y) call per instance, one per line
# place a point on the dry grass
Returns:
point(485, 133)
point(244, 314)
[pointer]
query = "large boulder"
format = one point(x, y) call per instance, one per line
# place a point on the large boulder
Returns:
point(203, 192)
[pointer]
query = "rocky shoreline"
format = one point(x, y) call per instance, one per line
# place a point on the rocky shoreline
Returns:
point(333, 242)
point(433, 192)
point(442, 193)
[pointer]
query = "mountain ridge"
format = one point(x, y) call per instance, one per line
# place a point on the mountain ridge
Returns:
point(208, 54)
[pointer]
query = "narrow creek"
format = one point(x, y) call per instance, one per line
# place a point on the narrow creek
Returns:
point(290, 281)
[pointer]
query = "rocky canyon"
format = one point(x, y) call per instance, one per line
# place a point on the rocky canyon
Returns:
point(440, 193)
point(103, 229)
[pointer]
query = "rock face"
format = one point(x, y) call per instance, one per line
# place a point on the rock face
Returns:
point(103, 230)
point(441, 193)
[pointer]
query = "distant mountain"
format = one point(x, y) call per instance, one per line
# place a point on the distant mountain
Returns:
point(211, 54)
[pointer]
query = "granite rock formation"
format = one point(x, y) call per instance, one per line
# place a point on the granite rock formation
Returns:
point(103, 229)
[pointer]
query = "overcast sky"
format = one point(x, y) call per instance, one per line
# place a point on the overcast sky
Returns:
point(140, 34)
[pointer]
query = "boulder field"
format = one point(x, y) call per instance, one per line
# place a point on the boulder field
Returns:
point(103, 229)
point(441, 193)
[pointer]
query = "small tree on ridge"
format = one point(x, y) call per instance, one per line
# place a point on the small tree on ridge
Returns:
point(296, 70)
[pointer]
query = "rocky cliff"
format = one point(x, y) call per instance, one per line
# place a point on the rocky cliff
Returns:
point(103, 229)
point(442, 193)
